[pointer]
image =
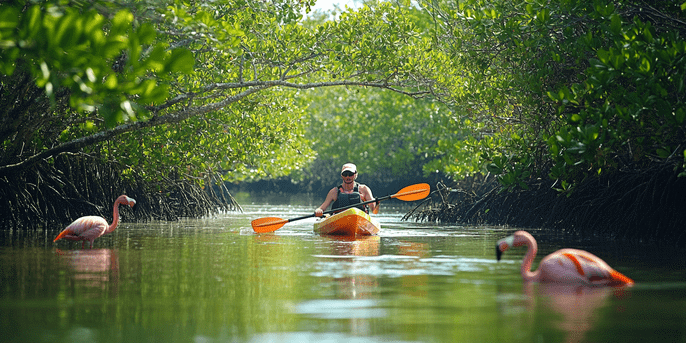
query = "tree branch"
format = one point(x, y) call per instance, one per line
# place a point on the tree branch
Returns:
point(178, 116)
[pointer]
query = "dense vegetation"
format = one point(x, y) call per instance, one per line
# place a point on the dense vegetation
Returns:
point(175, 91)
point(566, 90)
point(546, 96)
point(580, 97)
point(575, 108)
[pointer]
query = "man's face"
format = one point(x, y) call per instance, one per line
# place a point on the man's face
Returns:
point(348, 176)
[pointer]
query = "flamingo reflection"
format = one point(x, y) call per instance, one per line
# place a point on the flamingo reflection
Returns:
point(577, 304)
point(96, 269)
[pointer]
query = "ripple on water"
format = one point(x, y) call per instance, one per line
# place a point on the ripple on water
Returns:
point(336, 266)
point(341, 308)
point(305, 337)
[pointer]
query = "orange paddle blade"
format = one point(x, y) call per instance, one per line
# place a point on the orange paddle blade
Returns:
point(413, 192)
point(267, 224)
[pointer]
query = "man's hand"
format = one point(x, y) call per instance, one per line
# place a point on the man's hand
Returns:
point(318, 212)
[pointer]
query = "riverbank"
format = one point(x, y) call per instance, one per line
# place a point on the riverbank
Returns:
point(73, 186)
point(637, 206)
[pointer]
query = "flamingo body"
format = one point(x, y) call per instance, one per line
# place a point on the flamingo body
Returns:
point(89, 228)
point(563, 266)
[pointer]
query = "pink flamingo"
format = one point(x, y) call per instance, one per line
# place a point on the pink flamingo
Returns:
point(564, 266)
point(89, 228)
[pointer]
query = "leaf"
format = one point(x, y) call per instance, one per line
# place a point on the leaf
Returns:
point(680, 115)
point(146, 34)
point(156, 59)
point(111, 82)
point(9, 18)
point(645, 65)
point(121, 23)
point(616, 24)
point(180, 60)
point(33, 23)
point(493, 168)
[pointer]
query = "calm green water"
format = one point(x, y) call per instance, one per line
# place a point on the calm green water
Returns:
point(213, 280)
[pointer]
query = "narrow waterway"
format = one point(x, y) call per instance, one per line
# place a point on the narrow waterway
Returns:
point(214, 280)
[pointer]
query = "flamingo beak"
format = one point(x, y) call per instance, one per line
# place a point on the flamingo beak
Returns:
point(503, 245)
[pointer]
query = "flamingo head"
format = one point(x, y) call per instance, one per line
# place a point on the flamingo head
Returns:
point(503, 245)
point(123, 199)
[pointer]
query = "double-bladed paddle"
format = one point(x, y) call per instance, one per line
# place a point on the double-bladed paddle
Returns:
point(409, 193)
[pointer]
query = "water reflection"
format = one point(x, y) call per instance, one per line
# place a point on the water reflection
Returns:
point(95, 269)
point(414, 285)
point(205, 280)
point(578, 305)
point(354, 292)
point(408, 248)
point(351, 246)
point(352, 269)
point(357, 283)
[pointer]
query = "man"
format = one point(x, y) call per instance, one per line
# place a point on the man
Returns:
point(348, 193)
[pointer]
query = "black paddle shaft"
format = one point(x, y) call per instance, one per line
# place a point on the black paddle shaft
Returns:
point(343, 208)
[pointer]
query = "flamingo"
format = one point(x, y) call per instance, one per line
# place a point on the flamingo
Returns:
point(89, 228)
point(569, 266)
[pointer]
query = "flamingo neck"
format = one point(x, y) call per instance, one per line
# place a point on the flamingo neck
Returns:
point(115, 219)
point(525, 238)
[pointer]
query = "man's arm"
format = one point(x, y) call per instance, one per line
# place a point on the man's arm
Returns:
point(330, 197)
point(366, 196)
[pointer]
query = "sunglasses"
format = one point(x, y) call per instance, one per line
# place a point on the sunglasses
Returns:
point(347, 173)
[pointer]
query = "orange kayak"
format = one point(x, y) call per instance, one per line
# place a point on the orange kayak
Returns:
point(352, 222)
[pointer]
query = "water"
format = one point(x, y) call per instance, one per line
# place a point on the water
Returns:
point(213, 280)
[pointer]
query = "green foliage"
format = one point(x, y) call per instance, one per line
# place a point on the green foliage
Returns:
point(629, 108)
point(241, 144)
point(179, 89)
point(486, 57)
point(81, 51)
point(569, 89)
point(161, 86)
point(251, 138)
point(388, 135)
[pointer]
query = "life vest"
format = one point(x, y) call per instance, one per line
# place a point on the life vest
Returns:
point(347, 199)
